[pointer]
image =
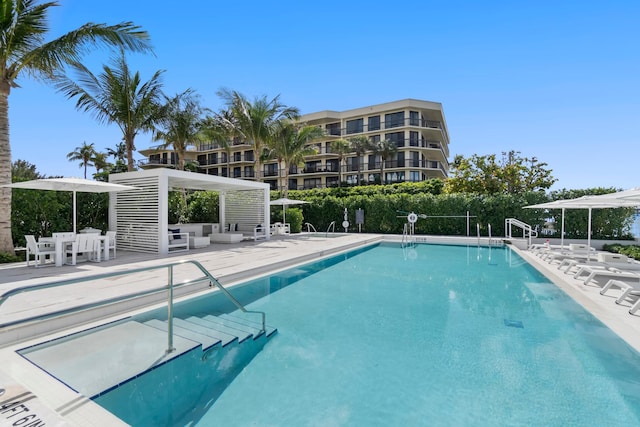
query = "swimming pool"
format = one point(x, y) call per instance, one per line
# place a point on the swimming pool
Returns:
point(430, 335)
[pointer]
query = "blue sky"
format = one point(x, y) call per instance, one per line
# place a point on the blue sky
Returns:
point(553, 80)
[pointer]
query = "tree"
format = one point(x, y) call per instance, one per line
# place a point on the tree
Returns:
point(290, 146)
point(485, 175)
point(341, 147)
point(23, 50)
point(179, 125)
point(85, 154)
point(220, 129)
point(256, 121)
point(385, 149)
point(117, 96)
point(100, 162)
point(360, 145)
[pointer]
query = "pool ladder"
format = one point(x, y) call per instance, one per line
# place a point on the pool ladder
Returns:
point(331, 228)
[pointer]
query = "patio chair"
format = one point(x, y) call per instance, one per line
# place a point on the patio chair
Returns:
point(40, 250)
point(85, 245)
point(111, 243)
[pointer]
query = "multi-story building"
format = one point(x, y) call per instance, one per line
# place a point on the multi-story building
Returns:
point(417, 128)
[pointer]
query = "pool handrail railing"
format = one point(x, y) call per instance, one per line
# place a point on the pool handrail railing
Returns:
point(331, 227)
point(170, 287)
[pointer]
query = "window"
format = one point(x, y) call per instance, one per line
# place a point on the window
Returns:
point(374, 139)
point(223, 157)
point(312, 183)
point(248, 156)
point(415, 159)
point(394, 120)
point(332, 181)
point(414, 118)
point(352, 164)
point(271, 169)
point(311, 167)
point(401, 162)
point(333, 166)
point(355, 126)
point(248, 171)
point(333, 129)
point(213, 158)
point(224, 172)
point(293, 184)
point(414, 176)
point(373, 162)
point(414, 139)
point(395, 137)
point(237, 173)
point(237, 157)
point(202, 159)
point(374, 123)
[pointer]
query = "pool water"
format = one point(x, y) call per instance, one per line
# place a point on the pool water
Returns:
point(431, 335)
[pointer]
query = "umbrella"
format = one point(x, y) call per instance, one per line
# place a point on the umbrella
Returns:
point(71, 184)
point(611, 200)
point(284, 202)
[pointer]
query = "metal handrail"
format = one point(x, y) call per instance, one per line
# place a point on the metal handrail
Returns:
point(332, 227)
point(170, 287)
point(310, 227)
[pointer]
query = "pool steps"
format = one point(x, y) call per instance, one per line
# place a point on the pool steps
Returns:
point(141, 346)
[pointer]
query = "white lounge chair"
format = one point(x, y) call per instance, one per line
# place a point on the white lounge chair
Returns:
point(615, 274)
point(576, 251)
point(40, 250)
point(603, 259)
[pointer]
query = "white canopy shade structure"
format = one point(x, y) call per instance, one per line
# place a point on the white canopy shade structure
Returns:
point(284, 202)
point(71, 184)
point(611, 200)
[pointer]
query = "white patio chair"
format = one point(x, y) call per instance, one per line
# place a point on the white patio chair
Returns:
point(40, 250)
point(111, 243)
point(85, 244)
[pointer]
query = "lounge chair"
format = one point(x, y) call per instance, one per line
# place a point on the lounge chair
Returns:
point(628, 289)
point(40, 250)
point(615, 274)
point(604, 261)
point(576, 251)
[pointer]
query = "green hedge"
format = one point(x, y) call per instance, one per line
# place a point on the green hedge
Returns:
point(632, 251)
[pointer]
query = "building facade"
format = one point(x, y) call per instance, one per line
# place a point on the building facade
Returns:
point(417, 129)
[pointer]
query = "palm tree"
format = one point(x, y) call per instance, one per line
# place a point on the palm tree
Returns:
point(117, 96)
point(179, 125)
point(290, 146)
point(119, 153)
point(385, 149)
point(85, 154)
point(23, 51)
point(360, 145)
point(341, 147)
point(100, 161)
point(220, 128)
point(256, 121)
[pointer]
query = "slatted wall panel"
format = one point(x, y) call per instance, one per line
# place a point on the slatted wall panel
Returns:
point(137, 219)
point(245, 208)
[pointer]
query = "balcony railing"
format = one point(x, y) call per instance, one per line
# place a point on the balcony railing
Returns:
point(384, 125)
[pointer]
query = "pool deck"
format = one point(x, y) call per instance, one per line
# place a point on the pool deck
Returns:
point(231, 264)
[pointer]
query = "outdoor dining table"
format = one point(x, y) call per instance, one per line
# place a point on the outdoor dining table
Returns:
point(61, 243)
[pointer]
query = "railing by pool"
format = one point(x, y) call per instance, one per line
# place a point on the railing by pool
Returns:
point(169, 287)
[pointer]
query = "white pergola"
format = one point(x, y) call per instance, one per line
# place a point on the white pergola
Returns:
point(140, 217)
